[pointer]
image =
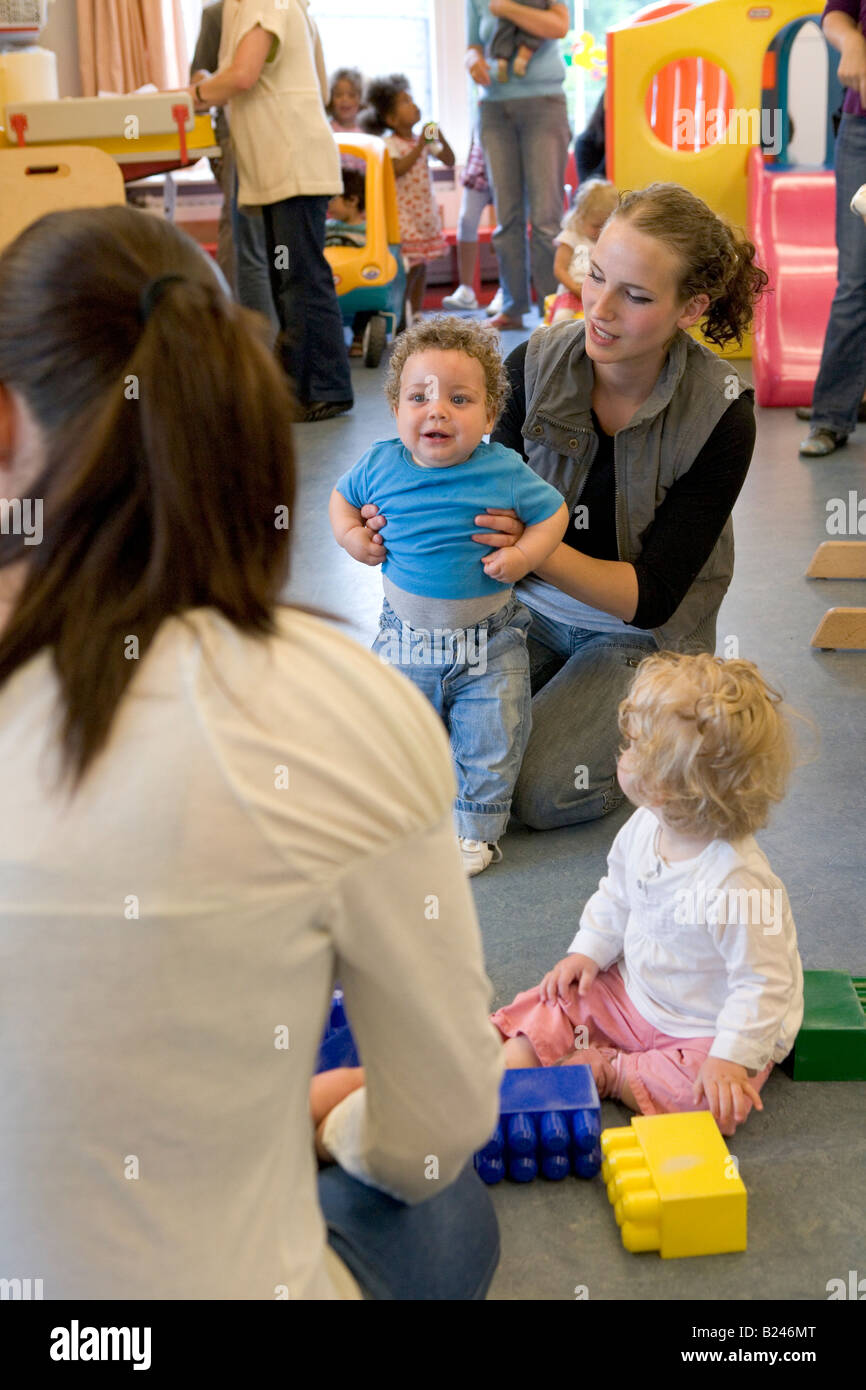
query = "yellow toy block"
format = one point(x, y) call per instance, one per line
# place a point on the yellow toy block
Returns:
point(674, 1186)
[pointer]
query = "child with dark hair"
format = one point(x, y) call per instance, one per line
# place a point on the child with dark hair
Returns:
point(393, 109)
point(346, 224)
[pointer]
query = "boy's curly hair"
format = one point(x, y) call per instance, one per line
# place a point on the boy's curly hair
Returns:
point(451, 334)
point(380, 96)
point(709, 742)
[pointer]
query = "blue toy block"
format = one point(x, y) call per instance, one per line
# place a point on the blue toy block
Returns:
point(549, 1119)
point(337, 1048)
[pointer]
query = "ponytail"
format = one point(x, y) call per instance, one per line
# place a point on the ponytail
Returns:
point(168, 475)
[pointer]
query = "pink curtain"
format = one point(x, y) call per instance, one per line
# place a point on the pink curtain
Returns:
point(124, 44)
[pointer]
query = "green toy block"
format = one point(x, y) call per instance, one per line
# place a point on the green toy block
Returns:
point(831, 1044)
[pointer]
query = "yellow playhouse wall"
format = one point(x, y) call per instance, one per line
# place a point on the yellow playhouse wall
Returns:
point(728, 32)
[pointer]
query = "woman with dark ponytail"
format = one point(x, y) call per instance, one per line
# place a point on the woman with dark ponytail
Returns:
point(189, 823)
point(648, 435)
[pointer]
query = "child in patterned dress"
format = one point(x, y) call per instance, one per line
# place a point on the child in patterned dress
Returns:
point(393, 109)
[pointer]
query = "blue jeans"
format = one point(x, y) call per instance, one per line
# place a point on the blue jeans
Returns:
point(477, 680)
point(312, 345)
point(525, 142)
point(842, 374)
point(447, 1248)
point(251, 263)
point(578, 679)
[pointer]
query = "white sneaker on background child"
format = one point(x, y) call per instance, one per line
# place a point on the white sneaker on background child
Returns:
point(462, 298)
point(477, 856)
point(495, 305)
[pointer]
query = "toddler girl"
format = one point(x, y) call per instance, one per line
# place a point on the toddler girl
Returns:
point(450, 621)
point(683, 984)
point(392, 109)
point(581, 228)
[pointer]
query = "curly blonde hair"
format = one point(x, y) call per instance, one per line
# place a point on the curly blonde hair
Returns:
point(450, 334)
point(597, 196)
point(709, 742)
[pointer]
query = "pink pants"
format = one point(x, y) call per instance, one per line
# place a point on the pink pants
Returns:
point(620, 1045)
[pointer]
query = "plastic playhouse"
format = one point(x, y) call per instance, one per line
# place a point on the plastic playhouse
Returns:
point(725, 65)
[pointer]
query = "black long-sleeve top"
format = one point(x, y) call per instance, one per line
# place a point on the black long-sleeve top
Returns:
point(689, 521)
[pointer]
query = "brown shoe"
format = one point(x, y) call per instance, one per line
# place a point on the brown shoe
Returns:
point(504, 321)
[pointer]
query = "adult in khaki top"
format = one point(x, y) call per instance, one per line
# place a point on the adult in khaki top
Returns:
point(271, 75)
point(212, 807)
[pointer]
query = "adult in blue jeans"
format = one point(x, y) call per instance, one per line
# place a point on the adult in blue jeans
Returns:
point(842, 374)
point(525, 134)
point(648, 436)
point(272, 75)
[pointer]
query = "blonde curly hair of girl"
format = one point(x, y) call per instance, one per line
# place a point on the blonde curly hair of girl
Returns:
point(710, 743)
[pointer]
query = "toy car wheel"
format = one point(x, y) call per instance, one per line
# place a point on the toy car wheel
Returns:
point(375, 338)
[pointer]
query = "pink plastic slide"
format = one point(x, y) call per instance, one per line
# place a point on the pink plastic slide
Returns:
point(792, 216)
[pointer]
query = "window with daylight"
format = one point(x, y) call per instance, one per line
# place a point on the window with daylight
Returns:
point(379, 37)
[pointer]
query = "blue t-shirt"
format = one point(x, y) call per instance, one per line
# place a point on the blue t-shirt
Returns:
point(431, 513)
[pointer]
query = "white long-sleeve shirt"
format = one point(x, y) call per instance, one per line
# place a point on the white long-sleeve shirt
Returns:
point(268, 817)
point(705, 947)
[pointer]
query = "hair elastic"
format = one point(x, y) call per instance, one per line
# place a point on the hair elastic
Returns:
point(152, 294)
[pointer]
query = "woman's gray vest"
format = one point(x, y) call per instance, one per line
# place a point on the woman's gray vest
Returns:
point(660, 443)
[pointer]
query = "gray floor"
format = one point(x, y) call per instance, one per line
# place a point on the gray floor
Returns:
point(803, 1161)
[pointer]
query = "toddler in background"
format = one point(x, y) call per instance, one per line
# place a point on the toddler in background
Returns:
point(392, 109)
point(450, 620)
point(345, 98)
point(683, 984)
point(346, 222)
point(510, 41)
point(581, 228)
point(344, 109)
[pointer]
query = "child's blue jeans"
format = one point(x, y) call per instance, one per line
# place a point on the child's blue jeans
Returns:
point(477, 679)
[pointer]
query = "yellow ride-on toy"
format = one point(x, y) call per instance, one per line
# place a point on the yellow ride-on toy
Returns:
point(370, 280)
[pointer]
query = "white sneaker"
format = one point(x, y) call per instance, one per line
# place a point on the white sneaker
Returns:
point(462, 298)
point(495, 305)
point(477, 855)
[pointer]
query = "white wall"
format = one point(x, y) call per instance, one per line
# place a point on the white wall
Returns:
point(807, 96)
point(61, 36)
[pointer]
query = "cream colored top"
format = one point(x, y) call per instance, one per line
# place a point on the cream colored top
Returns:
point(270, 816)
point(284, 145)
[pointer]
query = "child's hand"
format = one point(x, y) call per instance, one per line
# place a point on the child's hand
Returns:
point(327, 1089)
point(364, 546)
point(573, 969)
point(729, 1092)
point(507, 565)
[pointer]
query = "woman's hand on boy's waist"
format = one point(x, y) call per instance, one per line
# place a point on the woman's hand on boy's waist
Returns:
point(509, 527)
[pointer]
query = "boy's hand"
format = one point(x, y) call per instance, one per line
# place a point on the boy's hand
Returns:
point(729, 1092)
point(364, 546)
point(507, 565)
point(574, 969)
point(373, 518)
